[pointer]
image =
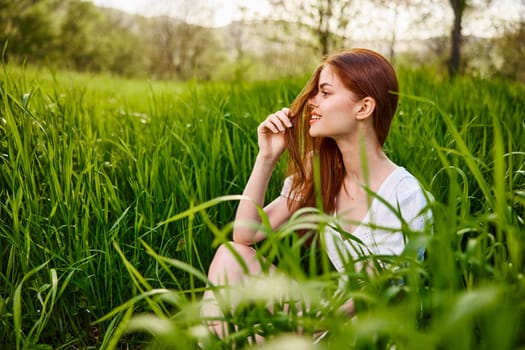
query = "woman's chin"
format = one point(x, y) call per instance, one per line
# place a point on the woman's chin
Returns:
point(314, 133)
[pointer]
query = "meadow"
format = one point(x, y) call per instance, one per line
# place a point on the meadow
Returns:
point(115, 193)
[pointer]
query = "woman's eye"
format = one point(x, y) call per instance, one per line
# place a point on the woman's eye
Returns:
point(324, 93)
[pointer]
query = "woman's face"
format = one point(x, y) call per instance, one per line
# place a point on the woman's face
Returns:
point(333, 107)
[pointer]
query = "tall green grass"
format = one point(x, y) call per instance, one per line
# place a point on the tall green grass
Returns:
point(115, 193)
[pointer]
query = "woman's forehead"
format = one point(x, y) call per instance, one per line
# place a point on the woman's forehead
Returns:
point(329, 76)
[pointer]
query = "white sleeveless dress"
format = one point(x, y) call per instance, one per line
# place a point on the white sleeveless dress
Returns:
point(380, 231)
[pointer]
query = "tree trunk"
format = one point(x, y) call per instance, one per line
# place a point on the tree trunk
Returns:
point(458, 6)
point(323, 32)
point(394, 31)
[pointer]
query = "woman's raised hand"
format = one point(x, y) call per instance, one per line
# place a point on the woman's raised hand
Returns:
point(271, 134)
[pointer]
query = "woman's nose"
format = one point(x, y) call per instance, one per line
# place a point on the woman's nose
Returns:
point(312, 101)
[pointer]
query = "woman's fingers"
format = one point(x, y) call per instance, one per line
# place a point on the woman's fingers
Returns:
point(277, 122)
point(284, 116)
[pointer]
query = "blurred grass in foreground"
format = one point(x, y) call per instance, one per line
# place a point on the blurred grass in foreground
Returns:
point(111, 206)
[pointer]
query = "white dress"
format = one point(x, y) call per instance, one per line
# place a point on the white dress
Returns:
point(380, 231)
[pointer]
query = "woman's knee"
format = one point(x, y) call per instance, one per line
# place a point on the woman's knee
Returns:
point(234, 251)
point(234, 259)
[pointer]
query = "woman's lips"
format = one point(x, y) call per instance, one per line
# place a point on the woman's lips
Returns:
point(315, 117)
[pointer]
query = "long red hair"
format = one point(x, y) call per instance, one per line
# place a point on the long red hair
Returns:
point(365, 73)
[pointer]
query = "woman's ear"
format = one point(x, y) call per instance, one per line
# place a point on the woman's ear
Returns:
point(366, 108)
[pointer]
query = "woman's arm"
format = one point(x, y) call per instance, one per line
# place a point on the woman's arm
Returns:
point(277, 212)
point(272, 143)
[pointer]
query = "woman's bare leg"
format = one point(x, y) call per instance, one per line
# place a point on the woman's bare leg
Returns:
point(226, 269)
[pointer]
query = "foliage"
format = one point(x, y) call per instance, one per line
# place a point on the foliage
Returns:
point(114, 194)
point(67, 35)
point(27, 28)
point(510, 51)
point(326, 20)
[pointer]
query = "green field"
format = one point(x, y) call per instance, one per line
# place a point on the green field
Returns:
point(112, 201)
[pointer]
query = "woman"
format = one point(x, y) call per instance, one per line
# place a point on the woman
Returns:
point(343, 117)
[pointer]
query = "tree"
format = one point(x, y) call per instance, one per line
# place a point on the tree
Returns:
point(237, 34)
point(458, 8)
point(326, 20)
point(182, 50)
point(395, 12)
point(124, 44)
point(511, 49)
point(27, 28)
point(78, 36)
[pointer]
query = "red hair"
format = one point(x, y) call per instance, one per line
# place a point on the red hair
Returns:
point(367, 74)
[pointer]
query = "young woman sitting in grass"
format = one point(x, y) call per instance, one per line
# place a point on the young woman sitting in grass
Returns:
point(342, 118)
